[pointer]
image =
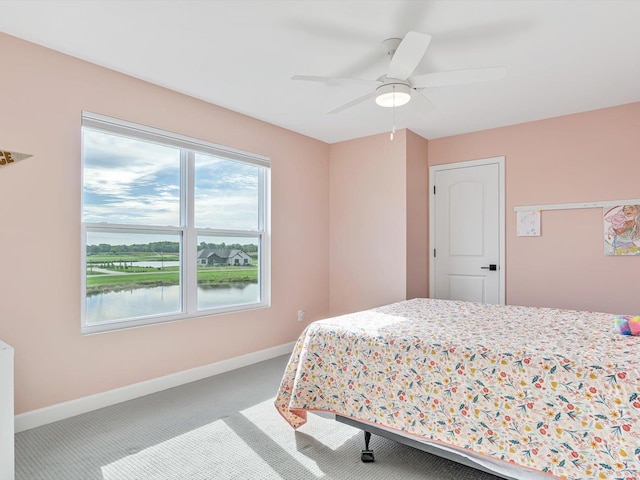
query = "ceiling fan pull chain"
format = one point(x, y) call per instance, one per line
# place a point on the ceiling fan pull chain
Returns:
point(393, 113)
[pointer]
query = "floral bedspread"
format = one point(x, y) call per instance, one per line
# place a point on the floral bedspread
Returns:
point(554, 390)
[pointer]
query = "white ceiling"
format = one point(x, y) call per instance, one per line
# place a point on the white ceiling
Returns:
point(562, 56)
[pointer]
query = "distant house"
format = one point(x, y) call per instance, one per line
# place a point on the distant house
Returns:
point(211, 257)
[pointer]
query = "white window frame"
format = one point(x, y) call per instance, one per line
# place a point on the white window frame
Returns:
point(188, 251)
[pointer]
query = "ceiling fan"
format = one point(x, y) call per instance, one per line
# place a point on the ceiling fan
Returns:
point(395, 88)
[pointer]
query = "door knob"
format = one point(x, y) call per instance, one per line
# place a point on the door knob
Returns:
point(491, 267)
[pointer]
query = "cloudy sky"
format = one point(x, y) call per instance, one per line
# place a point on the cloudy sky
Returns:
point(134, 182)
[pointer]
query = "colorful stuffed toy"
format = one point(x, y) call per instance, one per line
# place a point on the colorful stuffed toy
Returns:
point(634, 325)
point(627, 324)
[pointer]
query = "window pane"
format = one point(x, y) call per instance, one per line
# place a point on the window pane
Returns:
point(132, 275)
point(226, 194)
point(130, 181)
point(228, 271)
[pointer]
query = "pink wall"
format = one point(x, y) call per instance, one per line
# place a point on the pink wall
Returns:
point(585, 157)
point(42, 98)
point(368, 232)
point(417, 216)
point(378, 210)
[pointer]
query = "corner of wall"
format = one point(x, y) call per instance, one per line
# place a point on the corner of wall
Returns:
point(417, 194)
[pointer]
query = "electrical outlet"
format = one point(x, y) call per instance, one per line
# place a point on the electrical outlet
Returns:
point(301, 314)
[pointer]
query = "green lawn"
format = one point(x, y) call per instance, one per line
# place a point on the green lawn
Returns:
point(99, 270)
point(170, 276)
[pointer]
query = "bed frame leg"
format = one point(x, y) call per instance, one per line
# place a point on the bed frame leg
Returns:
point(367, 455)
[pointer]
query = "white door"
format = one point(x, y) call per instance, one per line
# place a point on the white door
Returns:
point(467, 231)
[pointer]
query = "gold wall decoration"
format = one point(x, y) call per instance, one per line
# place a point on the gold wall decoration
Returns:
point(7, 158)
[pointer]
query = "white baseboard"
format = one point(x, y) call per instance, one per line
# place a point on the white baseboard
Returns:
point(60, 411)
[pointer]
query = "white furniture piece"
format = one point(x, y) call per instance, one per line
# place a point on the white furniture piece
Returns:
point(7, 468)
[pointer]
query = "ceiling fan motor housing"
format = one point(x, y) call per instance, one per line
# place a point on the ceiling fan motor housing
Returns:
point(390, 45)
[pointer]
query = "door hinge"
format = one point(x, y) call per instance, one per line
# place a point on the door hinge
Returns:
point(434, 189)
point(434, 253)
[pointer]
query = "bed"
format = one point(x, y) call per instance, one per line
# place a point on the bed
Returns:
point(520, 391)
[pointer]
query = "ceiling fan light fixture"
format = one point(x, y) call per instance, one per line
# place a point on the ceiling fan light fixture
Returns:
point(393, 95)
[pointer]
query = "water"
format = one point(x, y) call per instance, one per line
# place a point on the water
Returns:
point(164, 300)
point(158, 264)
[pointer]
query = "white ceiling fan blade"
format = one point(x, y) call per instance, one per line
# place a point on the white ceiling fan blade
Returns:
point(458, 77)
point(320, 78)
point(423, 102)
point(408, 55)
point(353, 103)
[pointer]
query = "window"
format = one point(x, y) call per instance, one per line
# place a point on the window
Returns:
point(172, 227)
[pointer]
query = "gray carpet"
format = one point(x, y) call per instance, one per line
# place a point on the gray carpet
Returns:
point(223, 427)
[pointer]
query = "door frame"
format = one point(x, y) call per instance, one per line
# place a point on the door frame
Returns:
point(500, 161)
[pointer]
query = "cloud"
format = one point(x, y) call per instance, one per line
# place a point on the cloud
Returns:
point(226, 194)
point(130, 181)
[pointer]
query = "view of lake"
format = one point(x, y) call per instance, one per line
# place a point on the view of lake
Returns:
point(164, 300)
point(156, 264)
